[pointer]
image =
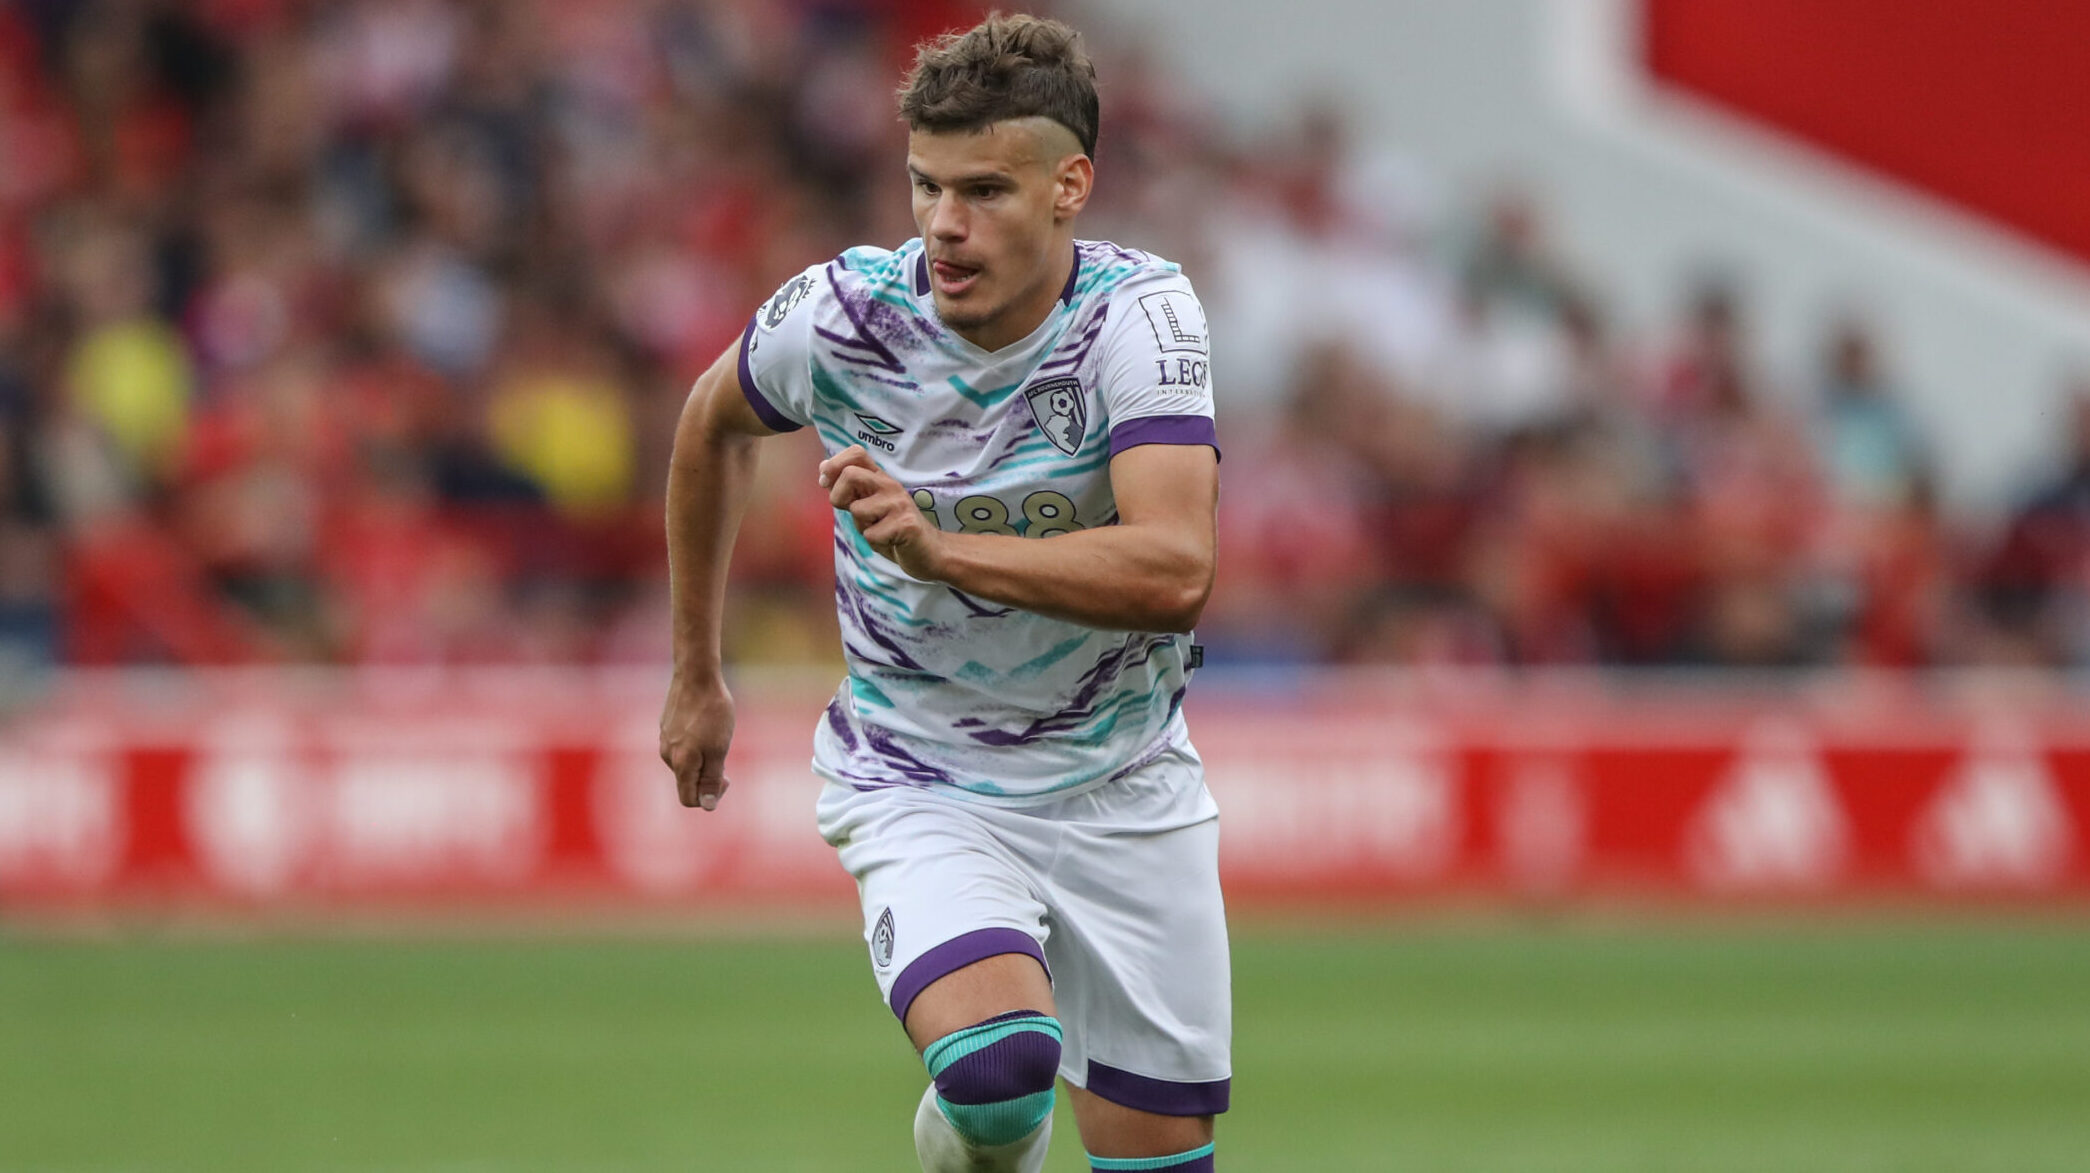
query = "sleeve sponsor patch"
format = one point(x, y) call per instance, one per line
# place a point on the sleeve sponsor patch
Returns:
point(1177, 319)
point(1181, 374)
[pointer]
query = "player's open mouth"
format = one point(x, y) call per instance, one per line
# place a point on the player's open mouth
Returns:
point(952, 280)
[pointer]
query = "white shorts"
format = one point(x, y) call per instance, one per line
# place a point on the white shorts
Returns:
point(1115, 890)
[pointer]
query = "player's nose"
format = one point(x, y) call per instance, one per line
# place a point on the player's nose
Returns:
point(946, 219)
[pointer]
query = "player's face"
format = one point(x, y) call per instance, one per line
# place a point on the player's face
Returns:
point(995, 209)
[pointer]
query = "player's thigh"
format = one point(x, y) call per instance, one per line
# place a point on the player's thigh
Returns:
point(977, 992)
point(950, 910)
point(1114, 1130)
point(1139, 946)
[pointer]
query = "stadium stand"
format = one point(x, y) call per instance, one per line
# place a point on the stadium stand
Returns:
point(354, 334)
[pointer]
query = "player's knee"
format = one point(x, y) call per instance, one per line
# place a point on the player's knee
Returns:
point(994, 1079)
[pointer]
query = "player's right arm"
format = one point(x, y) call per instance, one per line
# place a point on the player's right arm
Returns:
point(708, 482)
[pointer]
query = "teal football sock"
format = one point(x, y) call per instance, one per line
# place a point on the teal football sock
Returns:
point(1197, 1160)
point(994, 1080)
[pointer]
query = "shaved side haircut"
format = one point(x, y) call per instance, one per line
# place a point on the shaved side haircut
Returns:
point(1002, 68)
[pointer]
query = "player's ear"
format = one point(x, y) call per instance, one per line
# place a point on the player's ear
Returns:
point(1073, 179)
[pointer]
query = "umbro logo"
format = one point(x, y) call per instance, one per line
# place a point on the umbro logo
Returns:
point(875, 431)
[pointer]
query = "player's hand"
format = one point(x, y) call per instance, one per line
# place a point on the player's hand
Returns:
point(696, 726)
point(884, 513)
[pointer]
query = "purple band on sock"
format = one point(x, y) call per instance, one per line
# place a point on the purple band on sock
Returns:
point(1163, 1097)
point(1020, 1065)
point(774, 420)
point(954, 955)
point(1164, 429)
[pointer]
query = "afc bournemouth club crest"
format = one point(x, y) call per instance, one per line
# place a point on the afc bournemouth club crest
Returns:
point(1061, 410)
point(882, 940)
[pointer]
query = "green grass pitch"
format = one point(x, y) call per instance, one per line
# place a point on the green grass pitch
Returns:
point(1837, 1045)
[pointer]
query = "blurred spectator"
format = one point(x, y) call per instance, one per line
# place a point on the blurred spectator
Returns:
point(1513, 261)
point(128, 371)
point(1885, 560)
point(1297, 554)
point(1506, 363)
point(1906, 614)
point(558, 416)
point(2037, 582)
point(1752, 489)
point(1872, 451)
point(28, 551)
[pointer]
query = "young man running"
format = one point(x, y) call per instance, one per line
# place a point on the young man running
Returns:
point(1022, 457)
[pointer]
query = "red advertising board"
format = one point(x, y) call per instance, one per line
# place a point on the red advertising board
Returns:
point(261, 791)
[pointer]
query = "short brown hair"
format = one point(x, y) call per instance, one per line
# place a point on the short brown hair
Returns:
point(1004, 67)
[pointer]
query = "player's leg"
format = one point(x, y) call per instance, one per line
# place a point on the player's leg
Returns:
point(992, 1048)
point(1139, 949)
point(987, 988)
point(1118, 1137)
point(954, 927)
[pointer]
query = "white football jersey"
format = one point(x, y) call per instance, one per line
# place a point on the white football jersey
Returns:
point(946, 690)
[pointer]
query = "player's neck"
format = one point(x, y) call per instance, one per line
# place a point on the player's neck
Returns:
point(1026, 315)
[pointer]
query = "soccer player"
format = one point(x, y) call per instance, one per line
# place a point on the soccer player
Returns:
point(1022, 457)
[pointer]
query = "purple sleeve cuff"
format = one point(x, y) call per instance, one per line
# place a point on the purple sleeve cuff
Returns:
point(1164, 429)
point(954, 955)
point(774, 420)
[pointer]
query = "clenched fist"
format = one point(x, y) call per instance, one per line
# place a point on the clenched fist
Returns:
point(696, 727)
point(884, 513)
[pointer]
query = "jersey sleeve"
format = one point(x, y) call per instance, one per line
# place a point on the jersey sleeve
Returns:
point(776, 354)
point(1157, 364)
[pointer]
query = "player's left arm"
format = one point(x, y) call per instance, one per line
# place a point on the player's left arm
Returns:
point(1150, 572)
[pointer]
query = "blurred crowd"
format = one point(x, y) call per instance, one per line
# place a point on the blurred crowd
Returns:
point(355, 332)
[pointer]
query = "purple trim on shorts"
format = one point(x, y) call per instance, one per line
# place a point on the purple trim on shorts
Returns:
point(1163, 1097)
point(1164, 429)
point(774, 420)
point(954, 955)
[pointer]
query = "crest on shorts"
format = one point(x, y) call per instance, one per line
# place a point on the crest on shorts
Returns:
point(1061, 410)
point(882, 939)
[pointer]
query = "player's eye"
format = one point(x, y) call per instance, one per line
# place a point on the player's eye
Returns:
point(925, 187)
